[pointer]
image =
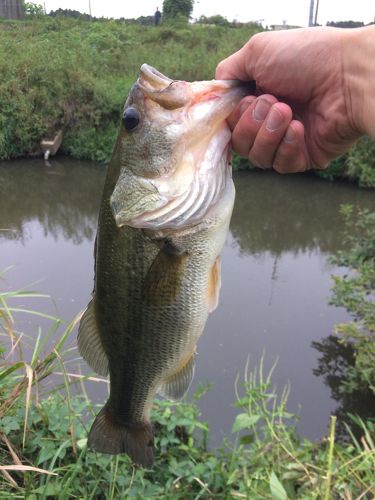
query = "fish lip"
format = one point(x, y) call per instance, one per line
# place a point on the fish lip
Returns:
point(174, 94)
point(153, 77)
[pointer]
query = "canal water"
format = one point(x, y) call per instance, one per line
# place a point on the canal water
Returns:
point(275, 277)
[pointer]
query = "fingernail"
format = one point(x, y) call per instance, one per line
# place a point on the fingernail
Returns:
point(290, 135)
point(261, 110)
point(274, 120)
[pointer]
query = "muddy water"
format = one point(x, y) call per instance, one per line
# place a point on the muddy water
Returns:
point(275, 275)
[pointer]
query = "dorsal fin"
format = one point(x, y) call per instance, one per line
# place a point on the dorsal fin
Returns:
point(89, 343)
point(176, 386)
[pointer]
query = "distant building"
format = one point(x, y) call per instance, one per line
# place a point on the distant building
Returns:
point(12, 9)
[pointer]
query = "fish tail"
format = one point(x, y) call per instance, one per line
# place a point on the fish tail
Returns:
point(136, 440)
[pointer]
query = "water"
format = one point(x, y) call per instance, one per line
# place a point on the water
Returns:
point(276, 279)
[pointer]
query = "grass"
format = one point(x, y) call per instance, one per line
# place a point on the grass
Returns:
point(74, 75)
point(43, 434)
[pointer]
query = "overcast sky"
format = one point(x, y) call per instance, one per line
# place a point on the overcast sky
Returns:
point(295, 12)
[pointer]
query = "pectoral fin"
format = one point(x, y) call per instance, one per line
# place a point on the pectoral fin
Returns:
point(214, 285)
point(176, 386)
point(89, 343)
point(163, 280)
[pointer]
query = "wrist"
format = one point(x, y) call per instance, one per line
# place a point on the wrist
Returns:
point(358, 63)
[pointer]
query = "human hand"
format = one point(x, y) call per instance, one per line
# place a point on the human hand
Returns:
point(304, 115)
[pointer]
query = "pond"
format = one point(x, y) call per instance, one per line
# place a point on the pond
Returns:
point(275, 276)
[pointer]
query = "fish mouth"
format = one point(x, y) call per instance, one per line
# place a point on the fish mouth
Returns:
point(168, 93)
point(153, 77)
point(174, 94)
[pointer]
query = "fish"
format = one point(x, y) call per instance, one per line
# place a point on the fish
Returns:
point(163, 221)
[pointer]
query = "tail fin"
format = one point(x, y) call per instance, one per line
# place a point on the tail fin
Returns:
point(110, 437)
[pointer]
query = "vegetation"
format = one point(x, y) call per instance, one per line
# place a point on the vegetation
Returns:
point(348, 357)
point(218, 20)
point(73, 74)
point(177, 8)
point(63, 72)
point(357, 165)
point(44, 450)
point(356, 291)
point(33, 9)
point(345, 24)
point(43, 432)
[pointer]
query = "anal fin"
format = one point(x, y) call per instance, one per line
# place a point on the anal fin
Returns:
point(176, 386)
point(89, 343)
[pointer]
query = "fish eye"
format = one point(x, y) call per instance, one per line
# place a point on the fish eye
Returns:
point(130, 118)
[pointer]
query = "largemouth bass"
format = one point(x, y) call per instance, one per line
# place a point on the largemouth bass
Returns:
point(163, 221)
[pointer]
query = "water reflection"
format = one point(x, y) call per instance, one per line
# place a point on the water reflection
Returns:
point(272, 213)
point(334, 362)
point(290, 213)
point(63, 199)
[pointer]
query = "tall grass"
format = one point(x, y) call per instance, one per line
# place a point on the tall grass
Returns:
point(75, 75)
point(43, 433)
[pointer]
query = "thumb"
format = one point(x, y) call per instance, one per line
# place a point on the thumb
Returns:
point(235, 67)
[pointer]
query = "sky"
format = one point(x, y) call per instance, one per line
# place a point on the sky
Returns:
point(293, 12)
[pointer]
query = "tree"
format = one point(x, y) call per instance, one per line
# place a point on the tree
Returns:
point(218, 20)
point(177, 8)
point(33, 9)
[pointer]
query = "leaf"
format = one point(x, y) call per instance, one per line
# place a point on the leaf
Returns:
point(23, 468)
point(81, 443)
point(46, 453)
point(30, 375)
point(50, 489)
point(277, 489)
point(243, 421)
point(248, 439)
point(9, 424)
point(11, 369)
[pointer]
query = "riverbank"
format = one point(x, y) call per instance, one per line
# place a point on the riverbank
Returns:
point(74, 75)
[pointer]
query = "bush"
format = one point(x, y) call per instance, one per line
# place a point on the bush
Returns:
point(357, 165)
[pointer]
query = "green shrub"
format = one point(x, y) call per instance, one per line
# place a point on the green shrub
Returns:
point(356, 291)
point(357, 165)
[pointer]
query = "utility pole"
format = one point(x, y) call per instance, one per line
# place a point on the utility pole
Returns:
point(316, 13)
point(12, 9)
point(90, 10)
point(311, 13)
